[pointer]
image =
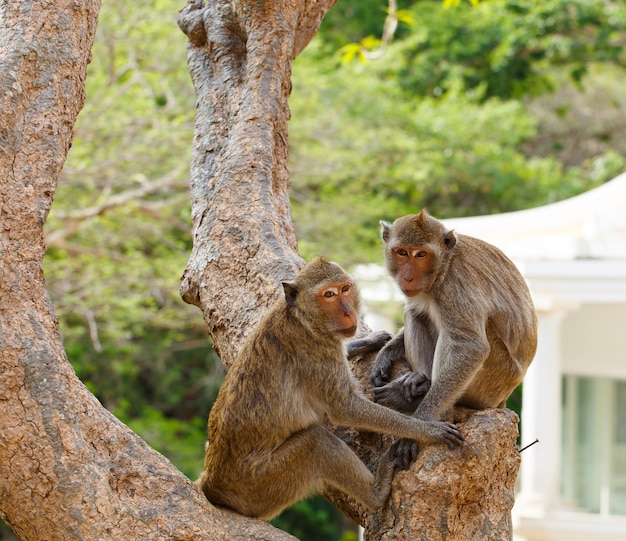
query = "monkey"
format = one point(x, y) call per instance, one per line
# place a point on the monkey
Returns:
point(470, 328)
point(268, 445)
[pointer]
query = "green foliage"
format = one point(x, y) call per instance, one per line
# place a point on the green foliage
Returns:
point(506, 47)
point(315, 520)
point(119, 236)
point(361, 152)
point(350, 21)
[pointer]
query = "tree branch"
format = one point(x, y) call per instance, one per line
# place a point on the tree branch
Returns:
point(74, 220)
point(244, 242)
point(68, 468)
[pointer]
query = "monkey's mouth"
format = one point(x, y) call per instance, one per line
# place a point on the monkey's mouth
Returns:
point(348, 332)
point(411, 292)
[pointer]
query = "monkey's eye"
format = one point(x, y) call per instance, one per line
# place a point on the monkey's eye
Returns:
point(402, 252)
point(421, 254)
point(329, 293)
point(346, 288)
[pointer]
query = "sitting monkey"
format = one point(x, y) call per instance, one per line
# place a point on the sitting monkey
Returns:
point(268, 446)
point(470, 329)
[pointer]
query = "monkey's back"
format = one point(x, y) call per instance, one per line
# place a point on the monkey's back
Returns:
point(263, 401)
point(496, 286)
point(493, 290)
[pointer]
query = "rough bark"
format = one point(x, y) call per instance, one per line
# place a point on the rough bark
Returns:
point(457, 495)
point(240, 56)
point(68, 468)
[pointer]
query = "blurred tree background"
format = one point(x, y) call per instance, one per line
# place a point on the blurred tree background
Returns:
point(473, 109)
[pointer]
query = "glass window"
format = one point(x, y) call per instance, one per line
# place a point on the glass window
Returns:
point(594, 444)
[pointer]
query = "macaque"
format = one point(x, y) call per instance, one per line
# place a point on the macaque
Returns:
point(268, 445)
point(470, 329)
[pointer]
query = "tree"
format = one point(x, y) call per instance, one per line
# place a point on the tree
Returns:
point(240, 62)
point(68, 468)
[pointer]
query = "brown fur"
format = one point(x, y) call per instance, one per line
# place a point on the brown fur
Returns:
point(268, 446)
point(470, 325)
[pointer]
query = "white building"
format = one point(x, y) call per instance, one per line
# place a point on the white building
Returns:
point(573, 256)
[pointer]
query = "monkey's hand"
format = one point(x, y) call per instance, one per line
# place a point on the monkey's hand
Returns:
point(404, 393)
point(404, 451)
point(381, 371)
point(392, 351)
point(372, 342)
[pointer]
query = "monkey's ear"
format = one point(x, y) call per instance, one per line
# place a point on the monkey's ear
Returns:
point(385, 227)
point(291, 292)
point(421, 217)
point(449, 239)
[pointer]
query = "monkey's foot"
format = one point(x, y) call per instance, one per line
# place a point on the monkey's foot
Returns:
point(403, 452)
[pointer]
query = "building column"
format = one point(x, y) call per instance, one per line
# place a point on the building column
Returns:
point(540, 470)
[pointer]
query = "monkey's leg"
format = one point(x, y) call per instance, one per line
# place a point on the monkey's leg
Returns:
point(495, 380)
point(315, 457)
point(345, 471)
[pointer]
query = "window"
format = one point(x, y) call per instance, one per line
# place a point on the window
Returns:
point(594, 444)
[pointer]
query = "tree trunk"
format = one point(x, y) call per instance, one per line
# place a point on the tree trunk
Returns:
point(459, 495)
point(448, 495)
point(239, 57)
point(68, 468)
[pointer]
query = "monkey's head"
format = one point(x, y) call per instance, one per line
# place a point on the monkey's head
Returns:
point(417, 247)
point(325, 298)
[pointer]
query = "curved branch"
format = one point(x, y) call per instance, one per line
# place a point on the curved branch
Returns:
point(389, 29)
point(68, 468)
point(244, 242)
point(75, 219)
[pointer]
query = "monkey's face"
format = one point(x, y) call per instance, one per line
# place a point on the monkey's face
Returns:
point(412, 266)
point(324, 297)
point(415, 247)
point(337, 304)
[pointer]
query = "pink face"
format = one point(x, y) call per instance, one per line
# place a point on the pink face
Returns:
point(336, 302)
point(415, 265)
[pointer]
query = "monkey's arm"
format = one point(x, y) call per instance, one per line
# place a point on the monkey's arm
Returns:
point(352, 409)
point(406, 392)
point(458, 357)
point(372, 342)
point(392, 352)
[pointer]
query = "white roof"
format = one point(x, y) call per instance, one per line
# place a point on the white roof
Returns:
point(589, 226)
point(571, 253)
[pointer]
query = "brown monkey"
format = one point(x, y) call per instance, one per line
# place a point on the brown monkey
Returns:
point(268, 446)
point(469, 324)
